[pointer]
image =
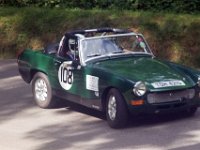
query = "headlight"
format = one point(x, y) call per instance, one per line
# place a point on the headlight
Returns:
point(139, 89)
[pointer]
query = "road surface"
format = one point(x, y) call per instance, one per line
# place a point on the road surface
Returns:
point(24, 126)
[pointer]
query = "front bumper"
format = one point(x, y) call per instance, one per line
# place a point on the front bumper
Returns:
point(162, 108)
point(166, 107)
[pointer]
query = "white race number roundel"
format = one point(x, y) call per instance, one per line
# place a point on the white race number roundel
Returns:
point(65, 75)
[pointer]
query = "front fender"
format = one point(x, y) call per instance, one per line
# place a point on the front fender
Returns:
point(194, 74)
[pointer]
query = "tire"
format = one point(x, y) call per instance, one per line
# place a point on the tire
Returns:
point(42, 91)
point(116, 110)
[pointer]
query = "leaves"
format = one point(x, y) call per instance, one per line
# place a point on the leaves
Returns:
point(183, 6)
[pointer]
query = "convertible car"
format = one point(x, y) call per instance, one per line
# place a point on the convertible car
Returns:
point(111, 70)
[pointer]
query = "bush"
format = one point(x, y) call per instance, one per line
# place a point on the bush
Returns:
point(171, 36)
point(180, 6)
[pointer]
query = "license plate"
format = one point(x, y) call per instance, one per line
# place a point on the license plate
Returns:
point(172, 83)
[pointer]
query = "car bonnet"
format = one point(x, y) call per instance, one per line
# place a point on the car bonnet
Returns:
point(156, 74)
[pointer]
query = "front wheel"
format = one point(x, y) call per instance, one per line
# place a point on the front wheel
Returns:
point(116, 110)
point(42, 91)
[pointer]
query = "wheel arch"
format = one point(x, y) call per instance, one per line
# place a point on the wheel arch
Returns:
point(104, 96)
point(33, 72)
point(50, 101)
point(118, 108)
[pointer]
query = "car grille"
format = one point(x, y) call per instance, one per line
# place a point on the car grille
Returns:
point(162, 97)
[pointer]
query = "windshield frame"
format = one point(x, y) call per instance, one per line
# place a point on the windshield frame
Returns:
point(84, 62)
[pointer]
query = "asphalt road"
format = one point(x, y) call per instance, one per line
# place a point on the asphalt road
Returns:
point(24, 126)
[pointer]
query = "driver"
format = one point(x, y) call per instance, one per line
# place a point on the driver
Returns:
point(71, 51)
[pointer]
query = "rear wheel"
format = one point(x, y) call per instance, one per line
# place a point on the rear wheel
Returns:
point(42, 91)
point(116, 110)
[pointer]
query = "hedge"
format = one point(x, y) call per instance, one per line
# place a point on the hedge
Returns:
point(180, 6)
point(174, 37)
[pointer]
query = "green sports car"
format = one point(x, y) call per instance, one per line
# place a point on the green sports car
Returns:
point(111, 70)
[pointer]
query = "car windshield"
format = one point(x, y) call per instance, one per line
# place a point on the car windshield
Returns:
point(113, 45)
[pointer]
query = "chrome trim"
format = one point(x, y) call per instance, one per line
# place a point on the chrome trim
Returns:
point(154, 98)
point(81, 39)
point(112, 107)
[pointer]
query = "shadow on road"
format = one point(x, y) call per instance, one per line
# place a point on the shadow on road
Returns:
point(143, 131)
point(15, 95)
point(149, 131)
point(79, 108)
point(82, 131)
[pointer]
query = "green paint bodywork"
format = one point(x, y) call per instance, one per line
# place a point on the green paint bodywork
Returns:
point(146, 69)
point(120, 73)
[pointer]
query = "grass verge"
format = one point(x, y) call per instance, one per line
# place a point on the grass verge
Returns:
point(171, 36)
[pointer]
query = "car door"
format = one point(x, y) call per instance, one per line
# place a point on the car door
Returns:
point(67, 71)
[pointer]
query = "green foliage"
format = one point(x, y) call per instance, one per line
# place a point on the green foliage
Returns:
point(180, 6)
point(171, 36)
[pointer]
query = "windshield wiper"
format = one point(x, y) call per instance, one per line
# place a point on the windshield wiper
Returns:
point(93, 55)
